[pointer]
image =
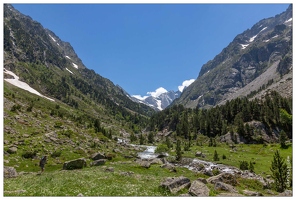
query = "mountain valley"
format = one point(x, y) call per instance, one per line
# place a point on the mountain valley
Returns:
point(237, 114)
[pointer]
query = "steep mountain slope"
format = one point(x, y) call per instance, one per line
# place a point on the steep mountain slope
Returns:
point(254, 61)
point(50, 66)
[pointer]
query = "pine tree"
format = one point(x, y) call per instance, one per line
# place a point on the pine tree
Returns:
point(210, 142)
point(251, 167)
point(150, 137)
point(224, 128)
point(216, 157)
point(279, 172)
point(283, 138)
point(141, 139)
point(178, 151)
point(97, 126)
point(133, 137)
point(168, 142)
point(214, 143)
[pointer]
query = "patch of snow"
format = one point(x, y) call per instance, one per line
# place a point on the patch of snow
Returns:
point(68, 57)
point(263, 29)
point(16, 82)
point(58, 44)
point(244, 45)
point(159, 104)
point(275, 36)
point(52, 38)
point(288, 20)
point(252, 38)
point(69, 70)
point(74, 65)
point(140, 97)
point(265, 40)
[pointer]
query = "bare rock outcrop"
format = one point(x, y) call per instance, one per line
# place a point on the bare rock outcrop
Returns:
point(175, 184)
point(199, 189)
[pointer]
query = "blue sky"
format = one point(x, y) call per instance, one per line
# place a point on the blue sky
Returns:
point(143, 47)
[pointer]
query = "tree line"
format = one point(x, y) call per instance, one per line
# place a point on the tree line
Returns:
point(274, 111)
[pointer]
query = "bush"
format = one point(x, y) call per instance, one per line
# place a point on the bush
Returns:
point(15, 107)
point(109, 156)
point(58, 124)
point(30, 108)
point(29, 154)
point(65, 133)
point(244, 165)
point(56, 154)
point(216, 157)
point(216, 172)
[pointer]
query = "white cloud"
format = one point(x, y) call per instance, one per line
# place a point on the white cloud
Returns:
point(140, 97)
point(157, 92)
point(185, 83)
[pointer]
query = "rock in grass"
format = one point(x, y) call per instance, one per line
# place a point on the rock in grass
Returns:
point(175, 184)
point(225, 187)
point(223, 177)
point(185, 195)
point(109, 169)
point(229, 195)
point(251, 193)
point(145, 164)
point(10, 172)
point(198, 154)
point(12, 150)
point(203, 180)
point(286, 193)
point(156, 161)
point(169, 166)
point(74, 164)
point(98, 156)
point(199, 189)
point(99, 162)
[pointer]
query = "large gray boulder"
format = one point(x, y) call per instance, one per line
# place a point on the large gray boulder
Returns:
point(225, 187)
point(10, 172)
point(75, 164)
point(156, 161)
point(98, 156)
point(169, 166)
point(223, 177)
point(175, 184)
point(199, 189)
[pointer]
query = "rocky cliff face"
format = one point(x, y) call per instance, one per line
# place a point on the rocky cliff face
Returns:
point(265, 48)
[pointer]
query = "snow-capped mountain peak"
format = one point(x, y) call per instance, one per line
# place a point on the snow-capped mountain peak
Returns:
point(161, 98)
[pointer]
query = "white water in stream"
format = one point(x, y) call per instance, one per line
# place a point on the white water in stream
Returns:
point(194, 164)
